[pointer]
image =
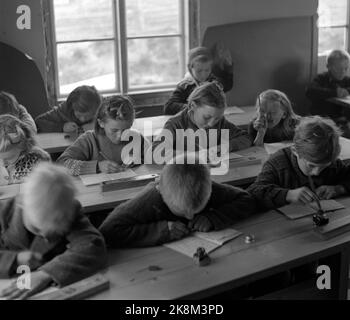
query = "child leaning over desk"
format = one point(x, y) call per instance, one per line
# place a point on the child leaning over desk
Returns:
point(19, 153)
point(184, 199)
point(285, 176)
point(44, 228)
point(74, 114)
point(275, 119)
point(100, 150)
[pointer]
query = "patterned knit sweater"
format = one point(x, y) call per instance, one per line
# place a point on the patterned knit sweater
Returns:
point(17, 171)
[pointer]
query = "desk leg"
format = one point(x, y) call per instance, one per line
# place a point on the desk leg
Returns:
point(343, 275)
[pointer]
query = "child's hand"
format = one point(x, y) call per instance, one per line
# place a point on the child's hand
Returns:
point(70, 127)
point(342, 93)
point(29, 258)
point(303, 195)
point(200, 223)
point(260, 123)
point(177, 230)
point(107, 166)
point(329, 192)
point(39, 281)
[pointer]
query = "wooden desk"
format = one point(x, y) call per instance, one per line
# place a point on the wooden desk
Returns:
point(150, 127)
point(280, 245)
point(343, 102)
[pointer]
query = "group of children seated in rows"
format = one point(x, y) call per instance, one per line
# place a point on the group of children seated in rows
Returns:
point(44, 226)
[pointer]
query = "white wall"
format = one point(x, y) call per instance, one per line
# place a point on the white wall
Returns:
point(219, 12)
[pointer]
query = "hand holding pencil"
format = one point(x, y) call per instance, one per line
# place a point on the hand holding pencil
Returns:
point(108, 166)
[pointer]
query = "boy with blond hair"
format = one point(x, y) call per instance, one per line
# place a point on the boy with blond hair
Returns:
point(185, 199)
point(45, 230)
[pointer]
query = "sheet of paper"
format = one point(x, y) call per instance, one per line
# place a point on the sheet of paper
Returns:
point(233, 110)
point(219, 237)
point(274, 147)
point(327, 205)
point(296, 211)
point(92, 179)
point(188, 246)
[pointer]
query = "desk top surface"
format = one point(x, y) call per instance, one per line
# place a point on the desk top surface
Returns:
point(280, 244)
point(57, 142)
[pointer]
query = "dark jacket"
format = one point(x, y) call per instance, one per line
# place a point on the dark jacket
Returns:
point(281, 173)
point(142, 221)
point(54, 120)
point(80, 254)
point(322, 88)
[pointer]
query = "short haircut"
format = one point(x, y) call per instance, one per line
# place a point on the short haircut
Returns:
point(8, 104)
point(336, 55)
point(84, 99)
point(14, 132)
point(48, 197)
point(316, 139)
point(198, 54)
point(185, 186)
point(115, 108)
point(209, 93)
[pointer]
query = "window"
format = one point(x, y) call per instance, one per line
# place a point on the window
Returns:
point(333, 25)
point(121, 46)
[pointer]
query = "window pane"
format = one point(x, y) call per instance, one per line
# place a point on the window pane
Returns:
point(152, 17)
point(87, 19)
point(332, 12)
point(330, 38)
point(154, 61)
point(90, 63)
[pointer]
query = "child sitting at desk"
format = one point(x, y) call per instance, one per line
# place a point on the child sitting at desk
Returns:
point(73, 115)
point(10, 105)
point(200, 65)
point(19, 153)
point(205, 111)
point(184, 199)
point(285, 176)
point(100, 150)
point(45, 229)
point(331, 84)
point(275, 120)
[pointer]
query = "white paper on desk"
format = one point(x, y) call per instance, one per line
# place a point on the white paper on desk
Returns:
point(208, 240)
point(92, 179)
point(4, 283)
point(297, 211)
point(271, 148)
point(233, 110)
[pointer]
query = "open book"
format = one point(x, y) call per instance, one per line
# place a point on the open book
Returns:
point(297, 211)
point(208, 240)
point(91, 179)
point(233, 110)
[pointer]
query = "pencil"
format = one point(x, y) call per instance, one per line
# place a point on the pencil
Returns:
point(312, 185)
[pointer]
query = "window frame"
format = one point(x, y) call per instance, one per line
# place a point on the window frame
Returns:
point(346, 26)
point(188, 21)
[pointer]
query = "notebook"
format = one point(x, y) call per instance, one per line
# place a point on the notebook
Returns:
point(297, 211)
point(208, 240)
point(92, 179)
point(271, 148)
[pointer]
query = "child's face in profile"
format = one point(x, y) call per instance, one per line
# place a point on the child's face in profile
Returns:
point(201, 70)
point(84, 117)
point(114, 129)
point(206, 117)
point(311, 168)
point(10, 156)
point(339, 69)
point(272, 112)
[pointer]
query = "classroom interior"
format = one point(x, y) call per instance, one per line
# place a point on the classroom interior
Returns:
point(274, 44)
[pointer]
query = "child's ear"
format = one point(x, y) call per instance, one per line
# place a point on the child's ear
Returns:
point(100, 123)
